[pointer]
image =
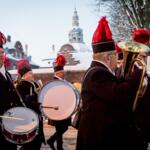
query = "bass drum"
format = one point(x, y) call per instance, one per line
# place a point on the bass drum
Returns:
point(20, 125)
point(59, 100)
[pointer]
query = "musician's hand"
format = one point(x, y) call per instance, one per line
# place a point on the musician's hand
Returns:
point(136, 71)
point(138, 64)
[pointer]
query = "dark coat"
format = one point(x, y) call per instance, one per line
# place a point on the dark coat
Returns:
point(29, 94)
point(8, 99)
point(142, 114)
point(8, 96)
point(106, 120)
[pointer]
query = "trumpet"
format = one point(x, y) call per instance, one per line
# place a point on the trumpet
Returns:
point(131, 55)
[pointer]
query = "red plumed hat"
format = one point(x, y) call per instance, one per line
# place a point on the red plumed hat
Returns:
point(59, 63)
point(141, 35)
point(23, 66)
point(118, 49)
point(102, 39)
point(119, 52)
point(6, 60)
point(2, 39)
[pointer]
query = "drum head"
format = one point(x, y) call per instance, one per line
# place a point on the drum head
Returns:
point(61, 94)
point(20, 120)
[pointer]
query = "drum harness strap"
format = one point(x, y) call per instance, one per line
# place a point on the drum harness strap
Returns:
point(20, 98)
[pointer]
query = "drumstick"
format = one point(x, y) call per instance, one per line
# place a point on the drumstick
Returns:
point(8, 117)
point(50, 107)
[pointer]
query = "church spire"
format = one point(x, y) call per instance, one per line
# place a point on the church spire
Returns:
point(76, 34)
point(75, 18)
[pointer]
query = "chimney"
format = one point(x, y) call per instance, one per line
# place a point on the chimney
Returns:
point(8, 38)
point(53, 48)
point(26, 49)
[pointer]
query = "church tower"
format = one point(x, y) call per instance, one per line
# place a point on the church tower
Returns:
point(76, 33)
point(75, 48)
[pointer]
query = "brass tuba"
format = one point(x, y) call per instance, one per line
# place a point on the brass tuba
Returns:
point(131, 54)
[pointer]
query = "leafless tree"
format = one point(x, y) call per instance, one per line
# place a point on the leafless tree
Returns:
point(126, 15)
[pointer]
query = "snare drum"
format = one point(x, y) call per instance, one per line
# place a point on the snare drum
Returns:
point(20, 125)
point(59, 100)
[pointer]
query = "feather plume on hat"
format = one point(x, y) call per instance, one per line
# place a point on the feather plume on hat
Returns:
point(102, 39)
point(119, 52)
point(23, 66)
point(118, 49)
point(59, 63)
point(6, 61)
point(141, 35)
point(2, 39)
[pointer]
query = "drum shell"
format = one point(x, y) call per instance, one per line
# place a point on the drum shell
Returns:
point(20, 132)
point(58, 93)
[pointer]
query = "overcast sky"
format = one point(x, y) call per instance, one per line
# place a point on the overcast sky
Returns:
point(42, 23)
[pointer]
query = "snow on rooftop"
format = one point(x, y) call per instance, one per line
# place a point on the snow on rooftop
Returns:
point(9, 45)
point(11, 57)
point(80, 47)
point(85, 58)
point(47, 62)
point(33, 63)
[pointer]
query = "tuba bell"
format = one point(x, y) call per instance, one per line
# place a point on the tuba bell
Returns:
point(131, 54)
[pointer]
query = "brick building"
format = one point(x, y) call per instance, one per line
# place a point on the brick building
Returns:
point(15, 51)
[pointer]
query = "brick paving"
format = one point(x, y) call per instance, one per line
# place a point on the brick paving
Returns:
point(69, 137)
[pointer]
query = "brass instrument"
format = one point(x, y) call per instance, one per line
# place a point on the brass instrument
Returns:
point(17, 80)
point(131, 53)
point(77, 85)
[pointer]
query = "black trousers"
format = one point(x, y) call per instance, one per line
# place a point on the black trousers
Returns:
point(58, 135)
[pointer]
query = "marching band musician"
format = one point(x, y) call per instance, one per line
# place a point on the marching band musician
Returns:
point(8, 96)
point(60, 126)
point(28, 91)
point(106, 117)
point(142, 112)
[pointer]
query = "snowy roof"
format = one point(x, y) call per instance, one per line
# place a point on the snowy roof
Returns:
point(75, 29)
point(11, 57)
point(16, 59)
point(33, 63)
point(47, 62)
point(85, 58)
point(82, 52)
point(9, 45)
point(80, 47)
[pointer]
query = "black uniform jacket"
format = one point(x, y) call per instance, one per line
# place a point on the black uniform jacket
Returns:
point(106, 118)
point(142, 114)
point(8, 95)
point(8, 100)
point(28, 92)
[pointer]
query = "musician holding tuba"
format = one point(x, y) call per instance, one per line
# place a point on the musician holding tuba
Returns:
point(28, 89)
point(142, 111)
point(107, 117)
